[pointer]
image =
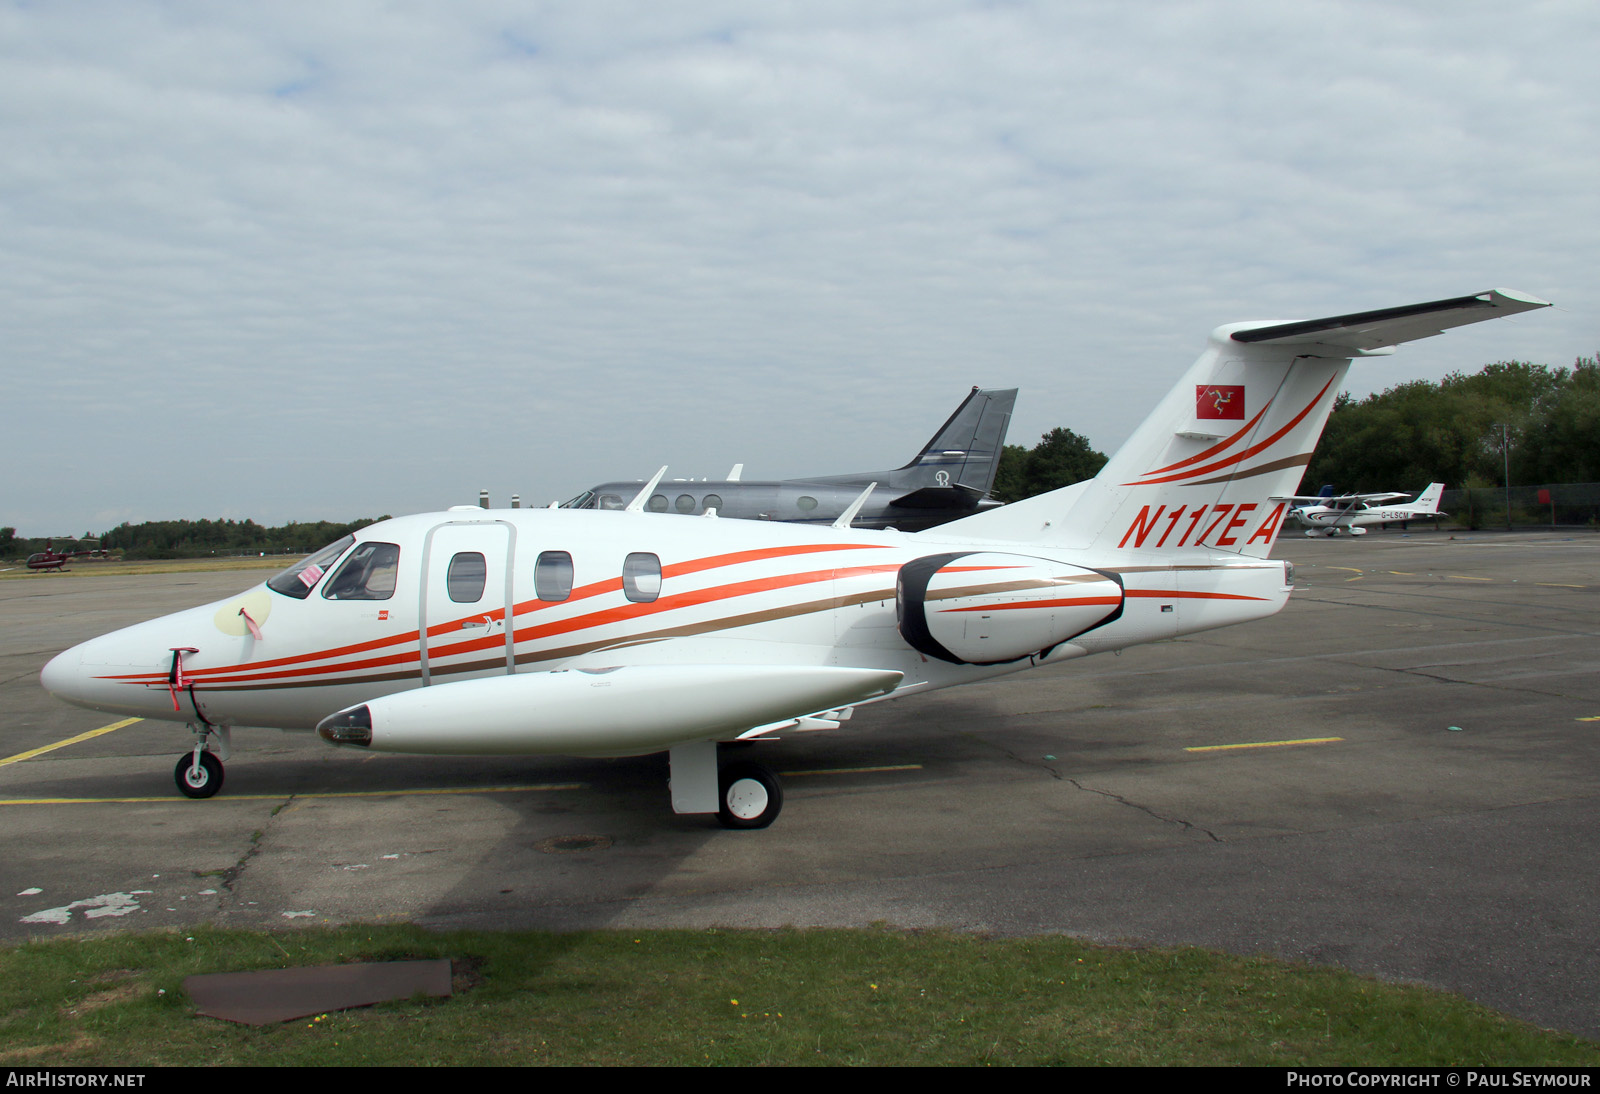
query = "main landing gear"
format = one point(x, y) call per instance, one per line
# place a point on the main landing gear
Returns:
point(750, 795)
point(742, 793)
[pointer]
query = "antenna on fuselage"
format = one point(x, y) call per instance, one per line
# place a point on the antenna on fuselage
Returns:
point(855, 507)
point(637, 504)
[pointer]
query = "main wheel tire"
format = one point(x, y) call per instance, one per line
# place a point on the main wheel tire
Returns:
point(751, 796)
point(202, 783)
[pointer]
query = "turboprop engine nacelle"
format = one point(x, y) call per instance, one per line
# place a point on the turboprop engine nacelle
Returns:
point(986, 608)
point(633, 710)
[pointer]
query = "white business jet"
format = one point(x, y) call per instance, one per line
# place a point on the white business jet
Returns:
point(1328, 515)
point(617, 633)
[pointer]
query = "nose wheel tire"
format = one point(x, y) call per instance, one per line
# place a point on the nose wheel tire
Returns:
point(751, 796)
point(198, 783)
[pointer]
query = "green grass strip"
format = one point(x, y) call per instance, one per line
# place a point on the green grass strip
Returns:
point(748, 997)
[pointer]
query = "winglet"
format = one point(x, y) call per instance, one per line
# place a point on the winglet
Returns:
point(637, 504)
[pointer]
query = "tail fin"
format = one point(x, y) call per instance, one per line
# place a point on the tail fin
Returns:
point(965, 452)
point(1428, 500)
point(1237, 431)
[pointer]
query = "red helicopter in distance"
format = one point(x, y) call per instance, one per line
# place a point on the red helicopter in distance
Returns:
point(51, 559)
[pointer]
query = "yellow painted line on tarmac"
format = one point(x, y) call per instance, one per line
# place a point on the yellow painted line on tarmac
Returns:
point(280, 797)
point(1591, 718)
point(1402, 573)
point(1464, 577)
point(1558, 585)
point(1264, 744)
point(853, 770)
point(19, 757)
point(1351, 569)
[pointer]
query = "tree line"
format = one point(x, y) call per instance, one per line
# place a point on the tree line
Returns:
point(1061, 458)
point(194, 538)
point(1540, 423)
point(1467, 430)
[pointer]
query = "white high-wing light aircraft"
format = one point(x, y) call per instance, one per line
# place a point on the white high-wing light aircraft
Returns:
point(1328, 516)
point(616, 633)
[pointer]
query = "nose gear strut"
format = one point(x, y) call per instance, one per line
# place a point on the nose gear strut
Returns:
point(199, 772)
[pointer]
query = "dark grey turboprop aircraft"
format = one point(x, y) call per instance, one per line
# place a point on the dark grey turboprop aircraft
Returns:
point(951, 477)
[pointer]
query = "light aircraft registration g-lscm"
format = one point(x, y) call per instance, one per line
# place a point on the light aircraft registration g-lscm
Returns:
point(617, 633)
point(1326, 515)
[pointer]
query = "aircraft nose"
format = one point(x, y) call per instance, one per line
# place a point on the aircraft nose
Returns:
point(87, 675)
point(70, 676)
point(63, 674)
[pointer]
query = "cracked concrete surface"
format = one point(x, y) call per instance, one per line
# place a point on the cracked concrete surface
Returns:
point(1446, 835)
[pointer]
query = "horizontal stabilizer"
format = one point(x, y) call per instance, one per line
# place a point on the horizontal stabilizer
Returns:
point(940, 497)
point(1371, 330)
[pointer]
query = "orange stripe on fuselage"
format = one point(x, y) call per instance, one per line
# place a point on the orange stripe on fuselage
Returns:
point(693, 598)
point(257, 672)
point(1181, 595)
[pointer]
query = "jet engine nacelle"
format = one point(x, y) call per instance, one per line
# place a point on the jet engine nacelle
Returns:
point(633, 710)
point(987, 608)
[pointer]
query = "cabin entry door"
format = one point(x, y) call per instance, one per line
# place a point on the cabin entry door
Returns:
point(466, 600)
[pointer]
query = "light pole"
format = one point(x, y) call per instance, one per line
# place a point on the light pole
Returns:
point(1505, 452)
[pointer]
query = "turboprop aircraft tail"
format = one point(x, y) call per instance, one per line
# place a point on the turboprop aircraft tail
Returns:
point(1237, 431)
point(965, 452)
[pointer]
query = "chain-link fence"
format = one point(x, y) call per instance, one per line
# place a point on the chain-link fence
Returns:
point(1549, 505)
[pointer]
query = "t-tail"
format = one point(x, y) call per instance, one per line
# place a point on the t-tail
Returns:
point(1235, 433)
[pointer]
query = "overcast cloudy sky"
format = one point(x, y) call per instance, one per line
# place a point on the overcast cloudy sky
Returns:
point(324, 260)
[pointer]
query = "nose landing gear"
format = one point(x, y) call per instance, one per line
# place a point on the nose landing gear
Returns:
point(198, 774)
point(199, 771)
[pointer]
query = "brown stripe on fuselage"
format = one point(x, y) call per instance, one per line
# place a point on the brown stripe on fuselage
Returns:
point(578, 649)
point(1264, 469)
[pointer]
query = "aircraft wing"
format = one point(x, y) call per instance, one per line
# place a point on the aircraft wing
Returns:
point(1318, 499)
point(1373, 330)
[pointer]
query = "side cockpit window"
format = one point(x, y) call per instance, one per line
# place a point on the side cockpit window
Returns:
point(298, 580)
point(368, 574)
